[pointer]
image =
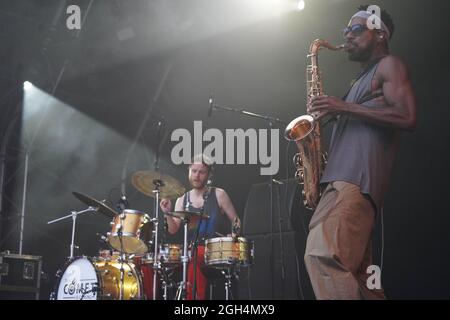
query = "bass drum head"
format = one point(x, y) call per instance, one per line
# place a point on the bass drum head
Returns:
point(79, 281)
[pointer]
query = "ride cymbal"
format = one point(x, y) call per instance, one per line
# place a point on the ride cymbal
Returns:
point(146, 181)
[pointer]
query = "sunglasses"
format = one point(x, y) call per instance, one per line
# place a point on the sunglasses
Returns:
point(356, 29)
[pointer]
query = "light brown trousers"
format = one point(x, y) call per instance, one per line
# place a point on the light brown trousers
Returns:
point(339, 248)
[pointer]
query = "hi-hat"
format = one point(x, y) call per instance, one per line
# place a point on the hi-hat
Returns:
point(145, 182)
point(187, 214)
point(99, 206)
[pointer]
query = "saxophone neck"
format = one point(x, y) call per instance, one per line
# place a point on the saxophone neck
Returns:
point(317, 44)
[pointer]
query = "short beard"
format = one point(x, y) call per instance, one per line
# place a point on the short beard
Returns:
point(361, 55)
point(202, 185)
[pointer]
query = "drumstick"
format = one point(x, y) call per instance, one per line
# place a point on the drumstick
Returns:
point(219, 234)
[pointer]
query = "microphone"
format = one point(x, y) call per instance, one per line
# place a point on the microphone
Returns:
point(102, 238)
point(161, 123)
point(211, 106)
point(123, 203)
point(277, 181)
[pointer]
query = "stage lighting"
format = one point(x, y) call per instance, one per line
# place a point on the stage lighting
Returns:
point(27, 85)
point(301, 5)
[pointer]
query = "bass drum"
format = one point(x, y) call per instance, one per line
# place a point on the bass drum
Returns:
point(84, 278)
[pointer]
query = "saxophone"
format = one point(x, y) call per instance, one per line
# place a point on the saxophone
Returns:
point(310, 161)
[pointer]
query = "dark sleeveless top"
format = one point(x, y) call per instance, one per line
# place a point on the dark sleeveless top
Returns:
point(217, 221)
point(360, 152)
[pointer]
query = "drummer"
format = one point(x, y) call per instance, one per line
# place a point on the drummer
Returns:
point(213, 202)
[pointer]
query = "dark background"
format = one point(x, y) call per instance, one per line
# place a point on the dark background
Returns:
point(94, 88)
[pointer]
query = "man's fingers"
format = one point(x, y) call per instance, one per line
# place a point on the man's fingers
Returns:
point(320, 102)
point(319, 97)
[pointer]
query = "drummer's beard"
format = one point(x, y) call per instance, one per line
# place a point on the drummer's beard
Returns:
point(198, 184)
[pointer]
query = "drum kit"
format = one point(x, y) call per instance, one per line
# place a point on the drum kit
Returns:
point(129, 269)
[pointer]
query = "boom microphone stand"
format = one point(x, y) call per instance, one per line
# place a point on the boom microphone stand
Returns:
point(271, 121)
point(74, 215)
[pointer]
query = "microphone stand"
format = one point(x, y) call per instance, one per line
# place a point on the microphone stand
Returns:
point(181, 291)
point(73, 215)
point(271, 121)
point(280, 220)
point(194, 257)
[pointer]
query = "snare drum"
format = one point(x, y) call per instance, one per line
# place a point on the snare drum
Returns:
point(136, 228)
point(84, 278)
point(226, 251)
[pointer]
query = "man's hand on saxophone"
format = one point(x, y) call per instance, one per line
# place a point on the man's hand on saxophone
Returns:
point(325, 105)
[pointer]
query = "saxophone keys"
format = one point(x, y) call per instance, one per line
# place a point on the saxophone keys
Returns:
point(297, 159)
point(299, 176)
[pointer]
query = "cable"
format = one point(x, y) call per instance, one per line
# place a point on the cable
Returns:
point(382, 241)
point(299, 283)
point(249, 288)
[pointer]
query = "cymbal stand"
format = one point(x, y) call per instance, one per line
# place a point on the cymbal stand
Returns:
point(229, 273)
point(182, 289)
point(156, 263)
point(122, 255)
point(74, 215)
point(167, 281)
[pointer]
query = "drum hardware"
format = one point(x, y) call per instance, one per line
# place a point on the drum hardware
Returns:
point(229, 273)
point(74, 215)
point(168, 261)
point(167, 282)
point(98, 206)
point(122, 256)
point(185, 217)
point(158, 183)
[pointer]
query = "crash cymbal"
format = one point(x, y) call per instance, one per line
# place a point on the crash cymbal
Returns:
point(144, 181)
point(99, 205)
point(188, 214)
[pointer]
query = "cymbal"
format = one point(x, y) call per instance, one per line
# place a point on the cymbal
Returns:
point(99, 205)
point(144, 181)
point(189, 214)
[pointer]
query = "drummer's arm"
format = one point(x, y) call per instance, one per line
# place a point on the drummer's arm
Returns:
point(227, 207)
point(172, 222)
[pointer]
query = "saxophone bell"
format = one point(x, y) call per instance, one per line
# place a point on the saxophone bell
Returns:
point(299, 128)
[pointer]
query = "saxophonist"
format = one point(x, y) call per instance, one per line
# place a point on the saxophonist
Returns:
point(378, 106)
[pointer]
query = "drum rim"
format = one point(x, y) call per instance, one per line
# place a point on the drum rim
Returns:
point(215, 262)
point(227, 239)
point(132, 211)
